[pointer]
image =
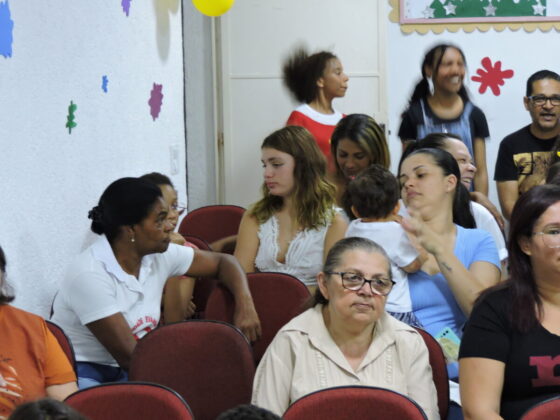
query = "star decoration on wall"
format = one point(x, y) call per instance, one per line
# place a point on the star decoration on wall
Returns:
point(428, 13)
point(490, 10)
point(450, 9)
point(538, 9)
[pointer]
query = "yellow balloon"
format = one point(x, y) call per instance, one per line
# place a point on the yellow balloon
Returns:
point(213, 7)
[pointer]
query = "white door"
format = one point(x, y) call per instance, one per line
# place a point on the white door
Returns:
point(253, 40)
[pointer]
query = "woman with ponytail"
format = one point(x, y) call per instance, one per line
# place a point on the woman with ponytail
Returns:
point(440, 104)
point(112, 292)
point(461, 262)
point(315, 81)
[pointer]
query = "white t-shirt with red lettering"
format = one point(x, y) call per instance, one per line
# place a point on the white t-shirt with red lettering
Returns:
point(96, 287)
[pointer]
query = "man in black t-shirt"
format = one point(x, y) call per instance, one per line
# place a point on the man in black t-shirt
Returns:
point(524, 156)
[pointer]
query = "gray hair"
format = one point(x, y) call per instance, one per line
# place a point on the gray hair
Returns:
point(334, 259)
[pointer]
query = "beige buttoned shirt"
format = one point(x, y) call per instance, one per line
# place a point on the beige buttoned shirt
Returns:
point(303, 358)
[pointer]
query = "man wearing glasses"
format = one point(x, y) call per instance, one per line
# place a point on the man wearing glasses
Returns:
point(524, 156)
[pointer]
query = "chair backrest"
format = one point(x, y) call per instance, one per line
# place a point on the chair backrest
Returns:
point(278, 298)
point(354, 402)
point(199, 242)
point(548, 409)
point(209, 363)
point(64, 342)
point(439, 371)
point(130, 401)
point(212, 222)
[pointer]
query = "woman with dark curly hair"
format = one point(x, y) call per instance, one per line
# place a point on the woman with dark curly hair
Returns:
point(315, 80)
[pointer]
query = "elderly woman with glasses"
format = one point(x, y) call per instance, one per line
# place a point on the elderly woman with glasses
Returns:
point(346, 337)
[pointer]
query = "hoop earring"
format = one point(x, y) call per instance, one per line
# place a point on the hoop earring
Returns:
point(430, 85)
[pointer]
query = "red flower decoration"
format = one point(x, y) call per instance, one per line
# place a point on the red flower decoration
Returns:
point(492, 76)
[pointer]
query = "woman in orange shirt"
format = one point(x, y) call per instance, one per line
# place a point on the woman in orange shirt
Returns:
point(32, 363)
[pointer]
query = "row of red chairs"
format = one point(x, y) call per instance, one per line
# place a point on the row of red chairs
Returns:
point(278, 298)
point(210, 223)
point(135, 400)
point(211, 364)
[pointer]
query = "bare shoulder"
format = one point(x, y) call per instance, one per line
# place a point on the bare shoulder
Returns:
point(249, 222)
point(339, 220)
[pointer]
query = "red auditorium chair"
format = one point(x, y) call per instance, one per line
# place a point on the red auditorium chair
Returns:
point(212, 222)
point(278, 298)
point(130, 401)
point(548, 409)
point(199, 242)
point(64, 342)
point(354, 402)
point(209, 363)
point(439, 371)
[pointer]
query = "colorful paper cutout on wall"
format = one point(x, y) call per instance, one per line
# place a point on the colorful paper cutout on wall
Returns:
point(491, 76)
point(71, 123)
point(104, 83)
point(6, 30)
point(156, 98)
point(126, 6)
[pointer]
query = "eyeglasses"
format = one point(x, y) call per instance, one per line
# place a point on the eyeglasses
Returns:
point(380, 285)
point(540, 100)
point(551, 237)
point(179, 208)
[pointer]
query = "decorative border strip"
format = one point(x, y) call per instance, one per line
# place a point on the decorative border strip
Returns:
point(423, 26)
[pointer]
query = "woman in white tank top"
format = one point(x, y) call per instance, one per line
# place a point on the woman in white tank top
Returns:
point(295, 223)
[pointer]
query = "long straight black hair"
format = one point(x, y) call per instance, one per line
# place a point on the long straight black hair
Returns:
point(462, 214)
point(526, 304)
point(432, 59)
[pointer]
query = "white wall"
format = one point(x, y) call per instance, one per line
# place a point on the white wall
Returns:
point(521, 51)
point(50, 178)
point(201, 141)
point(256, 102)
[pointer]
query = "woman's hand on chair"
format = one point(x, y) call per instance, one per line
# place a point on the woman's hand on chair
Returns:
point(246, 319)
